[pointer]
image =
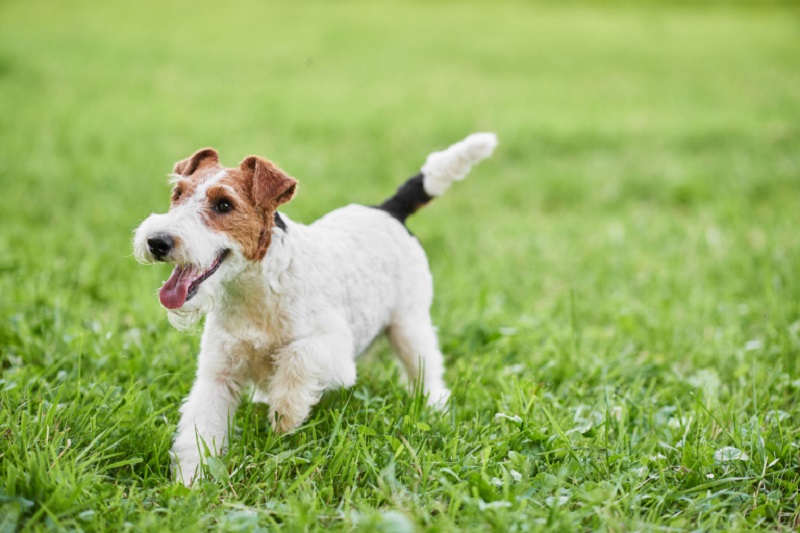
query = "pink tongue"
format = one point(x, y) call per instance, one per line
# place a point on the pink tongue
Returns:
point(173, 293)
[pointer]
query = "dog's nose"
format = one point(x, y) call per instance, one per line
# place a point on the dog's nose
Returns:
point(160, 245)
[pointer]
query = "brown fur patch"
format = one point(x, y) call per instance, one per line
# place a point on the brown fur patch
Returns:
point(183, 189)
point(193, 171)
point(254, 190)
point(271, 185)
point(268, 187)
point(244, 222)
point(201, 158)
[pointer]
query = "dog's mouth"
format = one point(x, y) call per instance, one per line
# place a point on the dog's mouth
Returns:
point(182, 285)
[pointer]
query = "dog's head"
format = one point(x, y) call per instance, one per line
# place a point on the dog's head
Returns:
point(220, 221)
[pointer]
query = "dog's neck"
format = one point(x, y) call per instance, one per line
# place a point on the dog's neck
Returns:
point(277, 259)
point(260, 283)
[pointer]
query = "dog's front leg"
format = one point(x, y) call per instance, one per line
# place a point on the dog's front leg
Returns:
point(303, 370)
point(204, 416)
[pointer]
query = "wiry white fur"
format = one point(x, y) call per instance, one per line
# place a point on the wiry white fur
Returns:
point(293, 324)
point(454, 163)
point(200, 246)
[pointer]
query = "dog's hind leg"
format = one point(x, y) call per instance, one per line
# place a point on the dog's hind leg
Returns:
point(414, 341)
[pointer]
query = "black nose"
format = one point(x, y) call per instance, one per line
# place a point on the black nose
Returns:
point(160, 245)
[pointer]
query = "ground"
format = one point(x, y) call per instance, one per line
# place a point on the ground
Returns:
point(616, 289)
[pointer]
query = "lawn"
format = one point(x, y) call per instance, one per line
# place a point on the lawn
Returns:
point(616, 289)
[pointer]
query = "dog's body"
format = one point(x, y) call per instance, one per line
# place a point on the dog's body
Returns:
point(291, 306)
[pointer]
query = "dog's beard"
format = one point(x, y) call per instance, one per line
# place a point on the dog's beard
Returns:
point(184, 320)
point(188, 316)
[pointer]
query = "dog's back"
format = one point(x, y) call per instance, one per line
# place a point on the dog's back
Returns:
point(368, 263)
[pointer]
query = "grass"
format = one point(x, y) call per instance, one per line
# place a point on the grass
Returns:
point(617, 289)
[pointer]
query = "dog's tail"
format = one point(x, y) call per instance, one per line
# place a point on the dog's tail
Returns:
point(439, 171)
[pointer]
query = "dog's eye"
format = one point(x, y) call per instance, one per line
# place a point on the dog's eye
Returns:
point(223, 206)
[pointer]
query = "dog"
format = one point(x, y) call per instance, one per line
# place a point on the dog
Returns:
point(289, 306)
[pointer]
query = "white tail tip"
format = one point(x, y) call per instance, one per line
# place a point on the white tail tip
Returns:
point(454, 163)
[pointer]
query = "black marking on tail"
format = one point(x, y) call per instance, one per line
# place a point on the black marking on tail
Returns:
point(409, 197)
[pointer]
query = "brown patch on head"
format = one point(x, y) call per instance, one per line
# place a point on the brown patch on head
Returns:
point(271, 185)
point(201, 158)
point(190, 172)
point(243, 203)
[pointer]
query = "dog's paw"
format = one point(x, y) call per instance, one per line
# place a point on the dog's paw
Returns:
point(185, 469)
point(260, 396)
point(286, 422)
point(437, 398)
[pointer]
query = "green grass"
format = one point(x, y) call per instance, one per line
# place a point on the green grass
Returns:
point(616, 290)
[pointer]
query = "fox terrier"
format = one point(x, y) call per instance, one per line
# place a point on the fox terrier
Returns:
point(289, 307)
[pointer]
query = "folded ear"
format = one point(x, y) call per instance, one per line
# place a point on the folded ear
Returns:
point(201, 158)
point(271, 185)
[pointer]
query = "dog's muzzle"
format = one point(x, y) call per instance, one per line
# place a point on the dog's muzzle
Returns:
point(160, 245)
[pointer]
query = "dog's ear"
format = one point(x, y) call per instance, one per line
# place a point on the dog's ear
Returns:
point(201, 158)
point(271, 185)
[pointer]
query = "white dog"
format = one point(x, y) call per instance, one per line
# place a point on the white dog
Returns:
point(291, 306)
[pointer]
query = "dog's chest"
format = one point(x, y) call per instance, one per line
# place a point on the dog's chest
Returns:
point(250, 357)
point(252, 335)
